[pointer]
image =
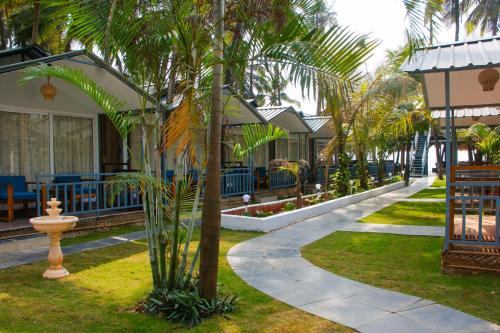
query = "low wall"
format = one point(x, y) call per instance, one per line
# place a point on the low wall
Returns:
point(266, 224)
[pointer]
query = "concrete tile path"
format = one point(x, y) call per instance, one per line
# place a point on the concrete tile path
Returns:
point(272, 264)
point(21, 257)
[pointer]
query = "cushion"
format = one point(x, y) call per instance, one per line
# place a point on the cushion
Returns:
point(20, 196)
point(18, 182)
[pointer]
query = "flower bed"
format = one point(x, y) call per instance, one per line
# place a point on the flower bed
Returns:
point(270, 216)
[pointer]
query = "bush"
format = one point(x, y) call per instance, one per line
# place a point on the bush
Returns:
point(289, 206)
point(340, 179)
point(187, 307)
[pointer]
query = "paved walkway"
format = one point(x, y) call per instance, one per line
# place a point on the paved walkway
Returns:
point(21, 257)
point(272, 263)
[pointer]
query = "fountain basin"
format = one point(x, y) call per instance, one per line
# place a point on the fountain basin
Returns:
point(46, 225)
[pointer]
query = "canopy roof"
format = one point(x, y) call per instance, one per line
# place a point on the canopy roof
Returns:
point(285, 117)
point(319, 126)
point(69, 99)
point(466, 117)
point(463, 61)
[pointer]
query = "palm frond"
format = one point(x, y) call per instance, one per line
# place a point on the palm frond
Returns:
point(256, 135)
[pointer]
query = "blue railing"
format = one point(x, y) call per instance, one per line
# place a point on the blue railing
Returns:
point(85, 193)
point(281, 179)
point(236, 181)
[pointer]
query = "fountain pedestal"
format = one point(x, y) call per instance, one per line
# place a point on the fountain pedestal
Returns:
point(54, 225)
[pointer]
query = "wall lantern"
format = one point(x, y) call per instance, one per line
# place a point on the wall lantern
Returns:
point(488, 79)
point(48, 91)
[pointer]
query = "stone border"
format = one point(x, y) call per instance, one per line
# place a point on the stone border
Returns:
point(267, 224)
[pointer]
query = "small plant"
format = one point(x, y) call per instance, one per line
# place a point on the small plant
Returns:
point(261, 214)
point(187, 307)
point(340, 179)
point(289, 206)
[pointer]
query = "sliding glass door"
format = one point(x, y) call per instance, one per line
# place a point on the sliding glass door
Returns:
point(73, 144)
point(24, 144)
point(29, 140)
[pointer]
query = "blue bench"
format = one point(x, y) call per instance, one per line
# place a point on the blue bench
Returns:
point(14, 189)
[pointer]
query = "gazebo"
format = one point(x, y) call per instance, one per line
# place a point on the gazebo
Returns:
point(462, 79)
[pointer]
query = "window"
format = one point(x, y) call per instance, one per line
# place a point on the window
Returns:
point(282, 149)
point(24, 144)
point(293, 150)
point(73, 145)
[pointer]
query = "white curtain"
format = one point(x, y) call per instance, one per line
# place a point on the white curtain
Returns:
point(73, 145)
point(282, 149)
point(24, 144)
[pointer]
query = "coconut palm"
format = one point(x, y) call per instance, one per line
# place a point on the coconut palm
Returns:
point(483, 14)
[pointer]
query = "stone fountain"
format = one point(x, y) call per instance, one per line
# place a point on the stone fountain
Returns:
point(54, 225)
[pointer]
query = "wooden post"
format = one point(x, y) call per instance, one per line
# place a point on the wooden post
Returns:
point(43, 199)
point(10, 202)
point(451, 230)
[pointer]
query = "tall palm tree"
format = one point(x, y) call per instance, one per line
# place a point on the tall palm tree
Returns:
point(484, 14)
point(453, 15)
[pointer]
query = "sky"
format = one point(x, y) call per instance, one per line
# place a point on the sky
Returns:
point(384, 20)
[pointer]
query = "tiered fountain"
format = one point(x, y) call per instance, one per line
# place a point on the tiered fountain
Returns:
point(54, 225)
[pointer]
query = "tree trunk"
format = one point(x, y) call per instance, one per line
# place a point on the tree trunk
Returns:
point(407, 165)
point(210, 226)
point(456, 9)
point(36, 21)
point(3, 31)
point(439, 162)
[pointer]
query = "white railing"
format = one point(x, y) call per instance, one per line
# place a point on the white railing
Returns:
point(413, 150)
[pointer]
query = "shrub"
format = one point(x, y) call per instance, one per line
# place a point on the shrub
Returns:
point(187, 307)
point(289, 206)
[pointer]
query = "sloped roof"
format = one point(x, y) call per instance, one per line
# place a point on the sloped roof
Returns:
point(316, 122)
point(270, 113)
point(460, 55)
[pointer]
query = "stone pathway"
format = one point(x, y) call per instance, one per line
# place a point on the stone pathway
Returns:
point(272, 263)
point(21, 257)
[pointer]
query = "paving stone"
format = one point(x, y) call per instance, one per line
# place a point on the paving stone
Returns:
point(441, 318)
point(394, 323)
point(345, 312)
point(384, 299)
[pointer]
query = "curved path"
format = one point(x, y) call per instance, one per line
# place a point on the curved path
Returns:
point(272, 264)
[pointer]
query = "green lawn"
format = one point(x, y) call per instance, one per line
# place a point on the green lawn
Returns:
point(437, 193)
point(406, 264)
point(439, 183)
point(106, 283)
point(410, 213)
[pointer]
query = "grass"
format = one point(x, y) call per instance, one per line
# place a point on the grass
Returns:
point(439, 182)
point(405, 264)
point(95, 235)
point(410, 213)
point(436, 193)
point(104, 284)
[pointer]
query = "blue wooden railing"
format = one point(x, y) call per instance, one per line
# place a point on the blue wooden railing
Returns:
point(236, 181)
point(85, 193)
point(281, 179)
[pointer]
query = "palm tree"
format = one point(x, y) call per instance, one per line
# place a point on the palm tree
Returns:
point(483, 14)
point(295, 169)
point(452, 14)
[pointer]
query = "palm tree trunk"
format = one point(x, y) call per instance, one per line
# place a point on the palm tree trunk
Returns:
point(456, 9)
point(36, 21)
point(3, 31)
point(439, 162)
point(407, 166)
point(210, 226)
